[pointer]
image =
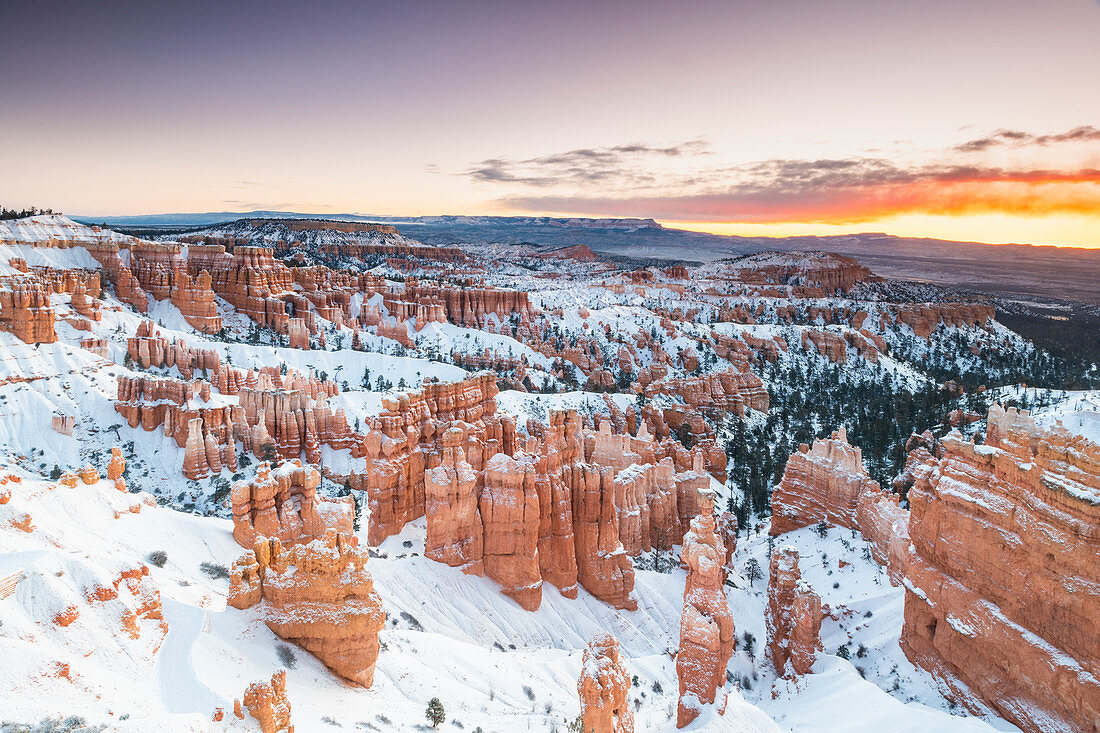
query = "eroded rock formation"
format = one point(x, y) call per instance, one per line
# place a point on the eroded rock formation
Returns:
point(25, 310)
point(1001, 592)
point(604, 688)
point(318, 595)
point(283, 503)
point(706, 624)
point(821, 483)
point(793, 615)
point(268, 704)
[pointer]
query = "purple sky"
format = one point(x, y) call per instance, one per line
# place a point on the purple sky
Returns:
point(112, 108)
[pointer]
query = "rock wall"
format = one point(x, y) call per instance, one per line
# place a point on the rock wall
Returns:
point(318, 595)
point(927, 317)
point(1002, 591)
point(604, 688)
point(510, 514)
point(821, 483)
point(793, 615)
point(469, 306)
point(707, 634)
point(25, 310)
point(728, 391)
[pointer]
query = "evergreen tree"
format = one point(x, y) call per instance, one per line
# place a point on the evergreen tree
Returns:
point(434, 713)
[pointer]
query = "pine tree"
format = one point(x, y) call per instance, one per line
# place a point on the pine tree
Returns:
point(434, 713)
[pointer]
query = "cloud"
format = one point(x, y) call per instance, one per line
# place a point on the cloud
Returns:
point(671, 183)
point(629, 165)
point(847, 191)
point(1019, 139)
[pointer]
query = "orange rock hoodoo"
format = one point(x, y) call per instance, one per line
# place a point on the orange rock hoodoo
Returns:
point(1007, 544)
point(277, 415)
point(793, 615)
point(116, 468)
point(283, 503)
point(706, 624)
point(604, 688)
point(25, 310)
point(268, 704)
point(566, 505)
point(318, 595)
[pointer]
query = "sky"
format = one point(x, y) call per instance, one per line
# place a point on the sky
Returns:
point(959, 119)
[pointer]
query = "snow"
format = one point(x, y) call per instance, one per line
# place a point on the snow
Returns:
point(525, 405)
point(448, 634)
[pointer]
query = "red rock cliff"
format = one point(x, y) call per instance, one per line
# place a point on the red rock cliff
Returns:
point(1002, 592)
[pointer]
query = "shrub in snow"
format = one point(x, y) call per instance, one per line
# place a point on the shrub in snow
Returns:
point(411, 621)
point(286, 656)
point(158, 558)
point(214, 570)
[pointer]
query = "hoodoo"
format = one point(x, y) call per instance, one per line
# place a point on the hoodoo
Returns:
point(604, 688)
point(318, 595)
point(706, 624)
point(793, 615)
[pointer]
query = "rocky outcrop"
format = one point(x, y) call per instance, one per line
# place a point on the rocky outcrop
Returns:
point(63, 424)
point(116, 468)
point(706, 624)
point(510, 514)
point(604, 688)
point(1001, 592)
point(404, 441)
point(195, 299)
point(283, 503)
point(268, 704)
point(25, 310)
point(298, 334)
point(828, 483)
point(793, 615)
point(469, 306)
point(455, 531)
point(927, 317)
point(826, 272)
point(714, 394)
point(830, 345)
point(318, 595)
point(148, 348)
point(821, 483)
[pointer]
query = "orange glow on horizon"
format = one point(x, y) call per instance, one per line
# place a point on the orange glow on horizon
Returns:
point(999, 228)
